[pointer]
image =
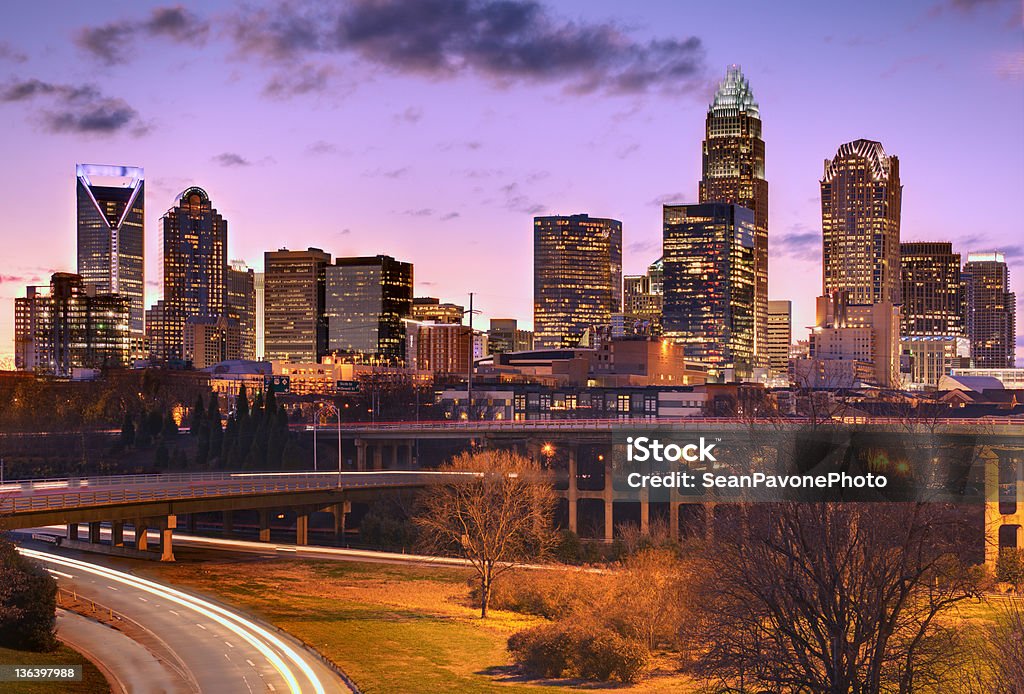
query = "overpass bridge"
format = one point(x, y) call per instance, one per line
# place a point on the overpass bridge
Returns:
point(154, 502)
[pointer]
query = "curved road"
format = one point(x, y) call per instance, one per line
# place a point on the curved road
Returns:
point(221, 649)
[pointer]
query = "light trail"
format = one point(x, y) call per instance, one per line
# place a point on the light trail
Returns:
point(236, 624)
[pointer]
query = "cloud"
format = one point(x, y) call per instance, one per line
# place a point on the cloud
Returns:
point(112, 43)
point(799, 243)
point(450, 215)
point(422, 212)
point(321, 147)
point(1010, 65)
point(387, 173)
point(11, 54)
point(501, 40)
point(668, 199)
point(231, 159)
point(409, 115)
point(471, 145)
point(76, 109)
point(648, 246)
point(296, 81)
point(518, 202)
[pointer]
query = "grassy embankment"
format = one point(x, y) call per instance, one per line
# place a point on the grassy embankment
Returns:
point(92, 682)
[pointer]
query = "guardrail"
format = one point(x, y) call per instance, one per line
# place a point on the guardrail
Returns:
point(201, 486)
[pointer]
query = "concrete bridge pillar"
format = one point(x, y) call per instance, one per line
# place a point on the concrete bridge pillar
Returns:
point(340, 512)
point(360, 455)
point(117, 533)
point(94, 532)
point(167, 526)
point(72, 532)
point(378, 457)
point(141, 527)
point(609, 501)
point(264, 525)
point(574, 491)
point(229, 523)
point(302, 527)
point(645, 511)
point(673, 519)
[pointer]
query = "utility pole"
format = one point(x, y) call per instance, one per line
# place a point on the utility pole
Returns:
point(469, 388)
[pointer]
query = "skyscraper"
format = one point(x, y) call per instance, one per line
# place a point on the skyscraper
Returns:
point(365, 302)
point(577, 277)
point(111, 246)
point(240, 304)
point(991, 311)
point(709, 285)
point(72, 326)
point(860, 223)
point(294, 324)
point(195, 240)
point(933, 338)
point(780, 336)
point(733, 172)
point(259, 283)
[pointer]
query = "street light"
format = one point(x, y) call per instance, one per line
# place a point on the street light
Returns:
point(329, 408)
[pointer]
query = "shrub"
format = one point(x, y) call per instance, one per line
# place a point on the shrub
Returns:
point(573, 650)
point(28, 596)
point(1010, 566)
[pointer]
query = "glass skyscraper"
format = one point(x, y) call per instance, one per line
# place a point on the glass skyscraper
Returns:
point(111, 248)
point(577, 277)
point(366, 300)
point(991, 311)
point(709, 280)
point(734, 172)
point(860, 224)
point(293, 305)
point(195, 239)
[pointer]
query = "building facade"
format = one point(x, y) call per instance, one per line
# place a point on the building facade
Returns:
point(991, 311)
point(195, 242)
point(577, 277)
point(111, 238)
point(861, 197)
point(733, 171)
point(209, 341)
point(428, 308)
point(240, 304)
point(780, 336)
point(259, 282)
point(71, 327)
point(505, 335)
point(709, 285)
point(295, 328)
point(366, 300)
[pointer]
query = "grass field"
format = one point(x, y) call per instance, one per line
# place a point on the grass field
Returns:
point(92, 682)
point(391, 628)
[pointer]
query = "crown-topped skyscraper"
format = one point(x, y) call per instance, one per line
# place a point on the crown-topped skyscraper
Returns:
point(733, 172)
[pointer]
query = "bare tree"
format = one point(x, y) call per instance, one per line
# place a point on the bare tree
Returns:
point(1007, 653)
point(831, 598)
point(496, 511)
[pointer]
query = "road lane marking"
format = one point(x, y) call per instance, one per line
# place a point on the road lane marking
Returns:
point(251, 664)
point(60, 573)
point(247, 630)
point(112, 587)
point(143, 599)
point(228, 644)
point(174, 613)
point(200, 626)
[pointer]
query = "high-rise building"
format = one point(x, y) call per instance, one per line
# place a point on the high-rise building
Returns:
point(111, 244)
point(366, 300)
point(577, 277)
point(259, 283)
point(933, 339)
point(933, 297)
point(709, 285)
point(860, 221)
point(733, 171)
point(991, 311)
point(506, 336)
point(208, 341)
point(70, 327)
point(640, 303)
point(240, 304)
point(195, 241)
point(295, 329)
point(779, 336)
point(443, 348)
point(428, 308)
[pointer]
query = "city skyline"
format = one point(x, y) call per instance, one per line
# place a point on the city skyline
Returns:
point(411, 176)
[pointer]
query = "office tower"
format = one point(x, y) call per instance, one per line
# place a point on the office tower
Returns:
point(851, 345)
point(656, 276)
point(259, 283)
point(240, 304)
point(111, 246)
point(366, 300)
point(933, 338)
point(991, 311)
point(442, 348)
point(733, 171)
point(709, 285)
point(195, 241)
point(779, 336)
point(506, 336)
point(209, 341)
point(427, 308)
point(860, 222)
point(293, 311)
point(640, 303)
point(577, 277)
point(70, 327)
point(157, 335)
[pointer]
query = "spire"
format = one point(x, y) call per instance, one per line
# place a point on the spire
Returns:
point(734, 94)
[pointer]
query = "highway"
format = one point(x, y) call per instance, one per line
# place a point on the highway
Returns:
point(220, 650)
